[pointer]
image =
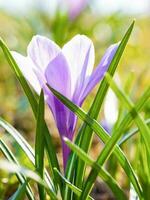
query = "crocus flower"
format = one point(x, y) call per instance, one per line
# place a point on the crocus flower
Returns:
point(110, 108)
point(106, 126)
point(68, 70)
point(75, 7)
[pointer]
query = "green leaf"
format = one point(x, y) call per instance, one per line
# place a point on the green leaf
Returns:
point(116, 136)
point(33, 102)
point(24, 146)
point(14, 168)
point(20, 193)
point(131, 133)
point(126, 121)
point(39, 144)
point(51, 152)
point(104, 136)
point(104, 175)
point(8, 154)
point(19, 76)
point(76, 190)
point(143, 167)
point(17, 169)
point(86, 131)
point(144, 129)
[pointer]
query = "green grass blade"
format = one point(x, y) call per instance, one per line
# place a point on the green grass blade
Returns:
point(103, 174)
point(115, 137)
point(53, 162)
point(39, 144)
point(105, 153)
point(27, 149)
point(14, 168)
point(144, 129)
point(131, 133)
point(19, 76)
point(144, 167)
point(76, 190)
point(86, 131)
point(104, 136)
point(20, 193)
point(17, 169)
point(126, 121)
point(8, 154)
point(33, 102)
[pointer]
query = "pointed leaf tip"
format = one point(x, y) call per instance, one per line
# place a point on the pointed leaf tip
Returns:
point(132, 24)
point(134, 20)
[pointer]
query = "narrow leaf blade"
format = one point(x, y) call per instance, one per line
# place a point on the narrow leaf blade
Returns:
point(104, 136)
point(39, 144)
point(33, 102)
point(104, 175)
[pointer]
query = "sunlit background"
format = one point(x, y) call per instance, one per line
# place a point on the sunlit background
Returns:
point(105, 22)
point(103, 7)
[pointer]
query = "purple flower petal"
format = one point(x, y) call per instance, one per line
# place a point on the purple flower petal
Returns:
point(80, 55)
point(99, 72)
point(48, 96)
point(68, 71)
point(57, 75)
point(106, 126)
point(42, 50)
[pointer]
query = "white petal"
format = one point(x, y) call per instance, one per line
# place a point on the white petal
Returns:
point(80, 55)
point(111, 108)
point(42, 50)
point(27, 68)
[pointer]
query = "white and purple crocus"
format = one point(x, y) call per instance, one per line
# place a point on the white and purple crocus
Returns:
point(75, 7)
point(68, 70)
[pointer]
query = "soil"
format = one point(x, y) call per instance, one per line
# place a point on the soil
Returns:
point(102, 192)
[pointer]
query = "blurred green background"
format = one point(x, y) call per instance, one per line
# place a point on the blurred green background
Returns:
point(105, 22)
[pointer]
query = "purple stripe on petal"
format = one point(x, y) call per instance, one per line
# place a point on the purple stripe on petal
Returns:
point(99, 72)
point(66, 152)
point(72, 120)
point(61, 121)
point(57, 75)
